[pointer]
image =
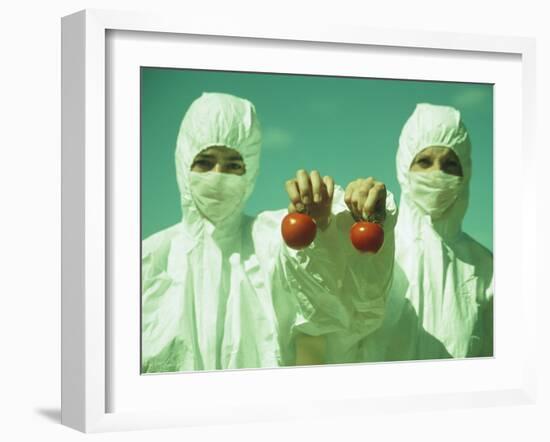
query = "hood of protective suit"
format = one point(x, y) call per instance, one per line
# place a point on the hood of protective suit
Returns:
point(429, 126)
point(216, 119)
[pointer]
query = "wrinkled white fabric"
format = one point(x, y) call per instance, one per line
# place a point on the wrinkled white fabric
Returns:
point(360, 281)
point(442, 295)
point(217, 195)
point(434, 192)
point(231, 294)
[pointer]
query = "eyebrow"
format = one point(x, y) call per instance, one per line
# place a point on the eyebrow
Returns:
point(235, 158)
point(205, 155)
point(213, 157)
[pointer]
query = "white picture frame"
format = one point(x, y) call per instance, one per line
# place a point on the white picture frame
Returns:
point(87, 209)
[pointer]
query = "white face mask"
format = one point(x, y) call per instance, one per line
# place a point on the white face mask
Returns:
point(217, 195)
point(434, 192)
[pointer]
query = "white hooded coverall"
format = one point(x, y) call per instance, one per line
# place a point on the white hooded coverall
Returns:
point(441, 301)
point(231, 294)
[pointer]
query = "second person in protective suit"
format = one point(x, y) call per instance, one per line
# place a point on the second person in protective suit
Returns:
point(441, 301)
point(221, 290)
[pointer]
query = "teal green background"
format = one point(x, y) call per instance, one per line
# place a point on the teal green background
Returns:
point(343, 127)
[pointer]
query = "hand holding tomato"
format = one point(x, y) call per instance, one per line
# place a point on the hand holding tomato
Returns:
point(364, 197)
point(366, 200)
point(311, 194)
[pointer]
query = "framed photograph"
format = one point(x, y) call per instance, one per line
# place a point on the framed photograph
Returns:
point(154, 108)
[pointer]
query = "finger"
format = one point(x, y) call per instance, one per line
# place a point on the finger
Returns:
point(361, 194)
point(329, 186)
point(292, 208)
point(294, 194)
point(356, 211)
point(358, 200)
point(353, 202)
point(380, 206)
point(317, 186)
point(304, 186)
point(376, 193)
point(348, 194)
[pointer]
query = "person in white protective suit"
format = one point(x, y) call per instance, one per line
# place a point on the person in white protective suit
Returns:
point(221, 290)
point(441, 302)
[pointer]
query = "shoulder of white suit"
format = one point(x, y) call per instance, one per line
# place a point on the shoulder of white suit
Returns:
point(159, 240)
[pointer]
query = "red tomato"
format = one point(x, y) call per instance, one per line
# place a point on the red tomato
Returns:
point(298, 230)
point(367, 237)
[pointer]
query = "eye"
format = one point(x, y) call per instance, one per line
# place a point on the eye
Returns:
point(424, 162)
point(202, 164)
point(452, 164)
point(233, 167)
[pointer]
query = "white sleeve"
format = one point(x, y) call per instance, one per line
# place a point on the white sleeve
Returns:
point(487, 318)
point(308, 284)
point(158, 313)
point(331, 286)
point(368, 277)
